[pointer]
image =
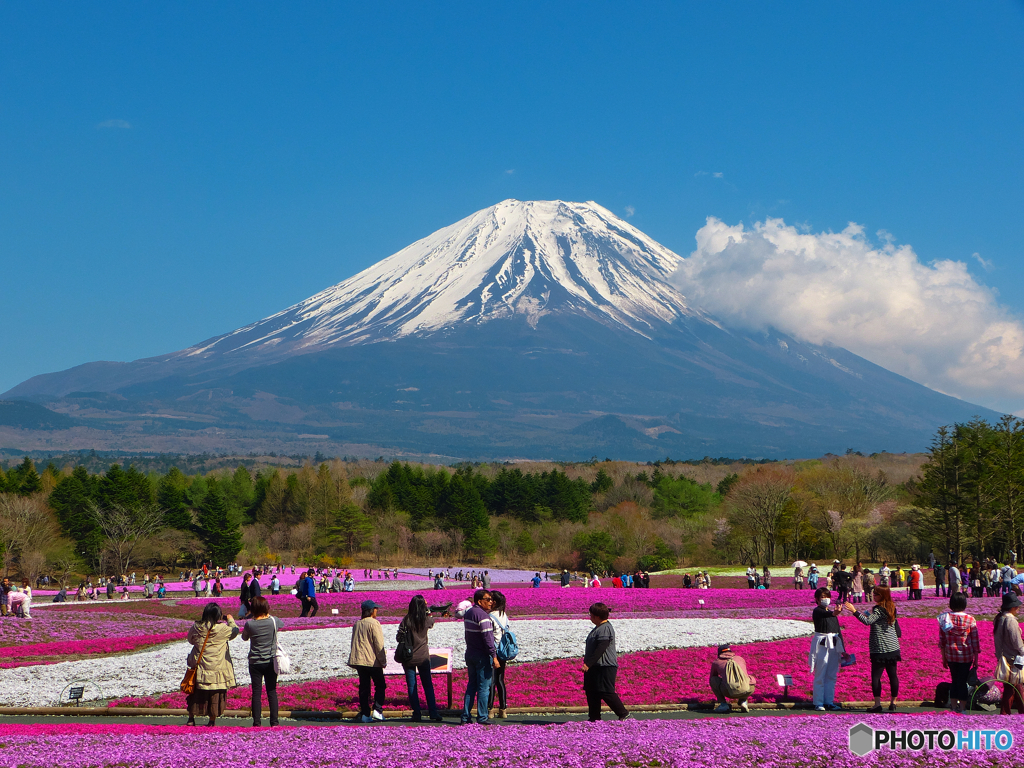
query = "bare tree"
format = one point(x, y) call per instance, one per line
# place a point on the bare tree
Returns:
point(843, 494)
point(31, 563)
point(25, 525)
point(63, 566)
point(125, 528)
point(757, 503)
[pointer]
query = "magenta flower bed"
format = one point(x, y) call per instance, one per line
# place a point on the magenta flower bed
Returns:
point(566, 602)
point(86, 647)
point(658, 677)
point(761, 742)
point(287, 579)
point(66, 625)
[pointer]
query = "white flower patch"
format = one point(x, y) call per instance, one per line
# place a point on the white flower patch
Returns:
point(323, 653)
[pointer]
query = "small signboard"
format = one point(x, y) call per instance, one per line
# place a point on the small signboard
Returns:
point(76, 693)
point(440, 662)
point(784, 680)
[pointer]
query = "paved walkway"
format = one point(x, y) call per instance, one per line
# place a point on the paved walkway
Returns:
point(530, 719)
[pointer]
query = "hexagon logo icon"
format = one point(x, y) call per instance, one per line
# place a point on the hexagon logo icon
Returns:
point(862, 739)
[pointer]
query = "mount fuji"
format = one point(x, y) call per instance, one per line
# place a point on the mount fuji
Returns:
point(542, 329)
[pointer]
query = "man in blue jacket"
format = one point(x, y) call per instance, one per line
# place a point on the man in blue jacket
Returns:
point(307, 594)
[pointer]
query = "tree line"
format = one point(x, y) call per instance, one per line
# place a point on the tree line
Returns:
point(106, 522)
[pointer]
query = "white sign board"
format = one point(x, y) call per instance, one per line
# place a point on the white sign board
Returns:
point(440, 662)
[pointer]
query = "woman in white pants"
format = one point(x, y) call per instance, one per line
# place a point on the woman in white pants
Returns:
point(826, 651)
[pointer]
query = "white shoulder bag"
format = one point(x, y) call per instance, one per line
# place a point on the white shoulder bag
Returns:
point(282, 662)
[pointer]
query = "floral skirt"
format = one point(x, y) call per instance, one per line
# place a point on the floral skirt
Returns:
point(207, 703)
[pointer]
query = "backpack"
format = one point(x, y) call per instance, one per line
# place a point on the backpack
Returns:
point(508, 648)
point(735, 683)
point(404, 649)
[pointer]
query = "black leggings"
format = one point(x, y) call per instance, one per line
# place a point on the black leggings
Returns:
point(260, 673)
point(889, 667)
point(959, 672)
point(498, 691)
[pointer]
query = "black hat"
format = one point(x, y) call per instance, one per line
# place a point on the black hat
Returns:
point(723, 647)
point(1010, 600)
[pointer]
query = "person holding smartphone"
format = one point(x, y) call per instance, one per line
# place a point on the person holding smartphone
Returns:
point(827, 651)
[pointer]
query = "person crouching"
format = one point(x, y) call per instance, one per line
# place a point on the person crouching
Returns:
point(729, 680)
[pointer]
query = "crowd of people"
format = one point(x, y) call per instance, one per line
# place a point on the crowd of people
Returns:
point(491, 644)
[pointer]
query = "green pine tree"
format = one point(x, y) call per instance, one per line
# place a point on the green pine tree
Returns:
point(72, 500)
point(221, 535)
point(25, 479)
point(170, 495)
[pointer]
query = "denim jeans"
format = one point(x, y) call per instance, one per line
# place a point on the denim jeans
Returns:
point(479, 685)
point(428, 689)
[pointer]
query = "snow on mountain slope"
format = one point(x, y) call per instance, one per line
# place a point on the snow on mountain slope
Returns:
point(515, 258)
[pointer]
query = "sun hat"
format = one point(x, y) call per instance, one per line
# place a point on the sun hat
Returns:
point(1010, 600)
point(369, 605)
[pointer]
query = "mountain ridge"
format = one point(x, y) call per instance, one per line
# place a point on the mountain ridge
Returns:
point(501, 335)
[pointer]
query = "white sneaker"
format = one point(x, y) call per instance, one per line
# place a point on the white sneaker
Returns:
point(744, 707)
point(376, 715)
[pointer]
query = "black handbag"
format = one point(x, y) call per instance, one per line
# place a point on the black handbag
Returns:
point(404, 649)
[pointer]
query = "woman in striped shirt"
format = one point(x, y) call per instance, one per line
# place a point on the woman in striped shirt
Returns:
point(958, 639)
point(883, 645)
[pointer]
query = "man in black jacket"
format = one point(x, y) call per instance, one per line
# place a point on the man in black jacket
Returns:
point(842, 580)
point(940, 580)
point(244, 596)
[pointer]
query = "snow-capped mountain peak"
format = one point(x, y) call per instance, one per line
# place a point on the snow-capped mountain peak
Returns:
point(515, 258)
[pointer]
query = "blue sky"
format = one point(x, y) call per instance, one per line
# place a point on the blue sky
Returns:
point(169, 172)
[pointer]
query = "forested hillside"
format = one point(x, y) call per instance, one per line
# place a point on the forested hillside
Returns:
point(966, 495)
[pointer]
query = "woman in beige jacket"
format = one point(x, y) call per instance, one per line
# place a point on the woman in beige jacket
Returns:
point(1006, 634)
point(215, 673)
point(368, 659)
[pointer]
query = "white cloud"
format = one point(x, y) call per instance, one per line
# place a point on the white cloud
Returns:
point(933, 323)
point(985, 263)
point(718, 174)
point(630, 210)
point(114, 124)
point(510, 171)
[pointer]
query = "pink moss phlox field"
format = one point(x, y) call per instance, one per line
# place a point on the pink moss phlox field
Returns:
point(287, 579)
point(658, 677)
point(87, 647)
point(67, 625)
point(765, 742)
point(570, 602)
